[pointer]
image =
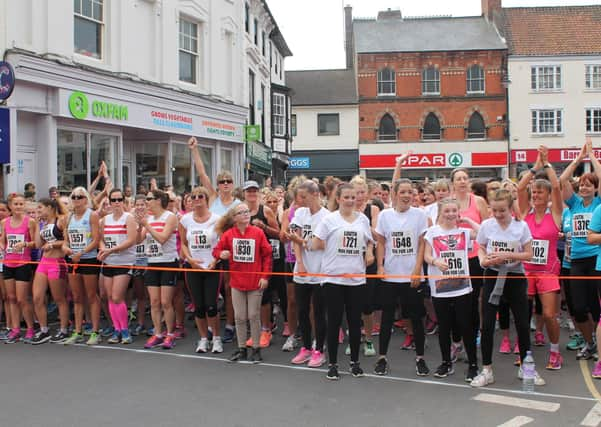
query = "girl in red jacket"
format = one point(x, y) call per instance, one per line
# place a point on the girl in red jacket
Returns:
point(249, 254)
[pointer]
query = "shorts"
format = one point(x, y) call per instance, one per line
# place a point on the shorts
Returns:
point(53, 268)
point(117, 270)
point(160, 277)
point(87, 269)
point(22, 273)
point(541, 282)
point(138, 272)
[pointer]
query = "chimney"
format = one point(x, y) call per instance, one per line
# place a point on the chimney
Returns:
point(489, 7)
point(390, 14)
point(348, 36)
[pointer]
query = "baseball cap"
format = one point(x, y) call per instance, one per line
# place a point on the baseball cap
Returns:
point(250, 184)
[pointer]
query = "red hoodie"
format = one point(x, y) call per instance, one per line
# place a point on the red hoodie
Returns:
point(250, 251)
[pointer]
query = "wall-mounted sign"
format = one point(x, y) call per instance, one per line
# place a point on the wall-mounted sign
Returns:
point(4, 135)
point(7, 80)
point(300, 163)
point(253, 132)
point(80, 107)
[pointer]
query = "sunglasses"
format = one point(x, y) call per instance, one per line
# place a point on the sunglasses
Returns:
point(197, 196)
point(116, 200)
point(148, 199)
point(225, 181)
point(77, 197)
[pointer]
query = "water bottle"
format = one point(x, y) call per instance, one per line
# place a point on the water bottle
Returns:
point(528, 373)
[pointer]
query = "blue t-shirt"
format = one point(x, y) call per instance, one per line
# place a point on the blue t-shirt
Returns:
point(581, 218)
point(218, 208)
point(595, 226)
point(566, 228)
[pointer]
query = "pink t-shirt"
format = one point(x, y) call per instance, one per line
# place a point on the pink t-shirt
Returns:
point(544, 243)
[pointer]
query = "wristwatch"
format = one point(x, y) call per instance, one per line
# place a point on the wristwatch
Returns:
point(547, 166)
point(533, 171)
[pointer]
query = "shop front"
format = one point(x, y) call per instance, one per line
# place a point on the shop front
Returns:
point(258, 161)
point(343, 164)
point(522, 160)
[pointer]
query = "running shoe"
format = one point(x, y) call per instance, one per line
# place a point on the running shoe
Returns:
point(431, 327)
point(516, 348)
point(484, 378)
point(408, 344)
point(126, 338)
point(202, 346)
point(333, 372)
point(137, 330)
point(597, 370)
point(255, 356)
point(421, 368)
point(249, 342)
point(538, 380)
point(532, 324)
point(555, 361)
point(59, 338)
point(381, 366)
point(286, 331)
point(107, 332)
point(368, 349)
point(471, 373)
point(179, 332)
point(168, 342)
point(376, 330)
point(340, 336)
point(228, 335)
point(190, 308)
point(240, 354)
point(28, 336)
point(265, 339)
point(14, 336)
point(576, 342)
point(586, 353)
point(4, 333)
point(456, 350)
point(317, 359)
point(356, 370)
point(303, 356)
point(505, 345)
point(40, 338)
point(217, 345)
point(75, 338)
point(539, 339)
point(153, 342)
point(115, 338)
point(400, 324)
point(94, 339)
point(150, 331)
point(347, 350)
point(87, 329)
point(290, 344)
point(444, 370)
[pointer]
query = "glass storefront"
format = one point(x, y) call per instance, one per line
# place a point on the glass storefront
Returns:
point(151, 162)
point(181, 168)
point(226, 160)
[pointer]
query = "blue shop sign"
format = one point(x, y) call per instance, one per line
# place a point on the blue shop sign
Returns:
point(7, 80)
point(4, 135)
point(300, 163)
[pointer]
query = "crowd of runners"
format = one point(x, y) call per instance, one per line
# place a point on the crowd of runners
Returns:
point(334, 263)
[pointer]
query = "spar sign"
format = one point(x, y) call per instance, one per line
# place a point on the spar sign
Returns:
point(434, 160)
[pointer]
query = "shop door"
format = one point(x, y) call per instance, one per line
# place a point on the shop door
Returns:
point(26, 171)
point(150, 162)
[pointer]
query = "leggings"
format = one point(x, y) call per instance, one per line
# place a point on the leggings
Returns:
point(477, 282)
point(412, 303)
point(566, 284)
point(204, 288)
point(460, 309)
point(515, 293)
point(307, 293)
point(583, 292)
point(341, 299)
point(504, 311)
point(247, 307)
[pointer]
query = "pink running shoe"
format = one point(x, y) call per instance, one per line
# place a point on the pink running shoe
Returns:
point(179, 332)
point(317, 359)
point(13, 336)
point(539, 339)
point(597, 370)
point(516, 348)
point(286, 331)
point(555, 361)
point(340, 336)
point(505, 346)
point(29, 335)
point(168, 342)
point(408, 344)
point(153, 342)
point(303, 356)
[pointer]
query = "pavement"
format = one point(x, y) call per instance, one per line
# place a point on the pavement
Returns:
point(125, 385)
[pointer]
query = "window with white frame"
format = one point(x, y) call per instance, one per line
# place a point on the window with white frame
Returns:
point(593, 120)
point(430, 81)
point(188, 51)
point(547, 121)
point(592, 77)
point(545, 77)
point(279, 114)
point(386, 82)
point(88, 27)
point(475, 79)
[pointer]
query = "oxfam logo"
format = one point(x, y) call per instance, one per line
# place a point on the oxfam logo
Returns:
point(79, 105)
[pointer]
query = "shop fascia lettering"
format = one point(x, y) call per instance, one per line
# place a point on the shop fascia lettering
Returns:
point(79, 106)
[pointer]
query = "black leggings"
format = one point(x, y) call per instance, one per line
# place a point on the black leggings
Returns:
point(307, 293)
point(515, 293)
point(341, 299)
point(456, 310)
point(278, 287)
point(369, 302)
point(204, 288)
point(412, 303)
point(475, 270)
point(583, 292)
point(566, 284)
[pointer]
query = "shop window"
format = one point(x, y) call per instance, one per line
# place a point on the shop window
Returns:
point(431, 130)
point(151, 163)
point(88, 27)
point(226, 160)
point(188, 51)
point(387, 129)
point(328, 124)
point(430, 81)
point(181, 168)
point(386, 82)
point(102, 149)
point(475, 79)
point(476, 128)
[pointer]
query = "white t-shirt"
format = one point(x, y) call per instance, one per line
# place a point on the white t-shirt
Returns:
point(201, 237)
point(432, 212)
point(402, 231)
point(312, 259)
point(345, 247)
point(453, 247)
point(511, 239)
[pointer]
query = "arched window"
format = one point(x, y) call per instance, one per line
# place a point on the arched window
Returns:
point(386, 82)
point(475, 79)
point(430, 81)
point(476, 128)
point(431, 128)
point(387, 129)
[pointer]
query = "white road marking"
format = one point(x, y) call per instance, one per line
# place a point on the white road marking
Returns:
point(517, 402)
point(593, 418)
point(517, 421)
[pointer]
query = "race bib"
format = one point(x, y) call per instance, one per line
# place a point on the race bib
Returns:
point(504, 246)
point(540, 250)
point(110, 242)
point(307, 232)
point(47, 235)
point(243, 250)
point(402, 243)
point(11, 241)
point(141, 250)
point(153, 248)
point(456, 261)
point(199, 241)
point(580, 222)
point(77, 240)
point(349, 244)
point(275, 247)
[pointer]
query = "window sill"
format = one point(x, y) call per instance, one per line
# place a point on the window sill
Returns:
point(592, 90)
point(431, 94)
point(535, 92)
point(386, 95)
point(546, 135)
point(328, 134)
point(475, 93)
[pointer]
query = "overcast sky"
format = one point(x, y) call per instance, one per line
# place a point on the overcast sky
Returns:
point(314, 29)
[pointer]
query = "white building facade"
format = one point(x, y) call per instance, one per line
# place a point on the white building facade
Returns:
point(125, 82)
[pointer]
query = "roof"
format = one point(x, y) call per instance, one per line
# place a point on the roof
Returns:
point(425, 34)
point(322, 87)
point(276, 35)
point(545, 31)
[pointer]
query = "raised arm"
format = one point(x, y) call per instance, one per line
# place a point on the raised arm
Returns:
point(399, 164)
point(200, 167)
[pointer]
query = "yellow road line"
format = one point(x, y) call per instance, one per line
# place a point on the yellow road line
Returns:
point(588, 380)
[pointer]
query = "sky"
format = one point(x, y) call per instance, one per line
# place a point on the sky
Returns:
point(314, 29)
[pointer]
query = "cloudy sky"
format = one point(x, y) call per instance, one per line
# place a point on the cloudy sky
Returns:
point(314, 29)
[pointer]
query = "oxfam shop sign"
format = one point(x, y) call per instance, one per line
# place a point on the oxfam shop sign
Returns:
point(80, 107)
